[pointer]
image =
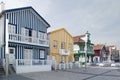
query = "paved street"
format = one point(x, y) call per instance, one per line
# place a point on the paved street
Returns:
point(96, 73)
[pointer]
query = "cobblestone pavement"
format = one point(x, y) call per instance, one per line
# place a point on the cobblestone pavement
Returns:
point(91, 73)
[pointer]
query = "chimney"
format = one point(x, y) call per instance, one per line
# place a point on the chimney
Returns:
point(2, 6)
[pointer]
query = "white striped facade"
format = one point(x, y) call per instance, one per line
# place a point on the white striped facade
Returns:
point(26, 18)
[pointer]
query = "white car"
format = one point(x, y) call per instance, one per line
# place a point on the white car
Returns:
point(115, 64)
point(101, 64)
point(106, 64)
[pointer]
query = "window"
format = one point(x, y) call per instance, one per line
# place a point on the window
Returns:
point(11, 28)
point(62, 45)
point(11, 51)
point(70, 47)
point(55, 45)
point(40, 35)
point(34, 33)
point(45, 36)
point(81, 48)
point(42, 54)
point(28, 32)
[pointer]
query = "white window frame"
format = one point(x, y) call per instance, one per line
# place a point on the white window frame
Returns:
point(42, 54)
point(63, 45)
point(55, 44)
point(41, 35)
point(11, 28)
point(34, 33)
point(26, 32)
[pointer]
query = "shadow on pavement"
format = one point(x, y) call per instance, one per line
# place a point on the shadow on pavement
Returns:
point(13, 77)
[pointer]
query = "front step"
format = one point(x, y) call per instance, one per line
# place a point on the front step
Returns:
point(2, 72)
point(11, 69)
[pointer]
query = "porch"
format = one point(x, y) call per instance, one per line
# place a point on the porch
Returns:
point(27, 58)
point(30, 65)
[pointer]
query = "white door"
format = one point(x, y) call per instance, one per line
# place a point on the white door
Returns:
point(11, 55)
point(28, 56)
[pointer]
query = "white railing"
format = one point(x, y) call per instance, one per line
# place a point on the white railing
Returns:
point(64, 52)
point(24, 39)
point(82, 51)
point(31, 62)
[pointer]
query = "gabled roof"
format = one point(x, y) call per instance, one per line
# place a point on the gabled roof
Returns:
point(60, 30)
point(23, 8)
point(78, 38)
point(98, 46)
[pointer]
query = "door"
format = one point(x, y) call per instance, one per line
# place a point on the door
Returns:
point(11, 55)
point(27, 56)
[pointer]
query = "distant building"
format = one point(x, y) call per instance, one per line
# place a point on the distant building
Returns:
point(100, 53)
point(114, 53)
point(79, 48)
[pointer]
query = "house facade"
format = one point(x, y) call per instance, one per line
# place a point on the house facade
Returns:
point(113, 53)
point(61, 46)
point(28, 43)
point(100, 53)
point(79, 48)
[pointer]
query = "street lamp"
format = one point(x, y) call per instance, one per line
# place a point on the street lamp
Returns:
point(6, 49)
point(85, 48)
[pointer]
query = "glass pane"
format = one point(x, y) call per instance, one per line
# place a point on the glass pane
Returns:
point(11, 28)
point(42, 53)
point(11, 51)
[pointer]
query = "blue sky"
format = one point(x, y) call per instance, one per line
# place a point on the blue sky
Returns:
point(100, 17)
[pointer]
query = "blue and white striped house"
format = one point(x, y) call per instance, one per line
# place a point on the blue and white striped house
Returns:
point(28, 43)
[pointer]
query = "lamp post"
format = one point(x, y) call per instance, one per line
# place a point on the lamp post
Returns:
point(6, 49)
point(85, 48)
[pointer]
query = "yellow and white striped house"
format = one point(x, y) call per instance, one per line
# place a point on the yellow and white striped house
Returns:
point(61, 46)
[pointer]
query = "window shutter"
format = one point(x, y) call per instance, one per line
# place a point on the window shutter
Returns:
point(45, 36)
point(23, 31)
point(34, 33)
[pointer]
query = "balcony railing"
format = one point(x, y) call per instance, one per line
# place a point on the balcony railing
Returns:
point(31, 62)
point(64, 52)
point(27, 39)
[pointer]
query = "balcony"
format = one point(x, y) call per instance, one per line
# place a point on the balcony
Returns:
point(28, 40)
point(64, 52)
point(82, 51)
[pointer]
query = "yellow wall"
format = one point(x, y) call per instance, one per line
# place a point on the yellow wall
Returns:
point(60, 36)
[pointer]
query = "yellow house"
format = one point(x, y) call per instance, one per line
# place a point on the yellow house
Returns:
point(61, 46)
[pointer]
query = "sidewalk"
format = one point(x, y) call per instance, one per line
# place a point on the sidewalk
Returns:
point(69, 74)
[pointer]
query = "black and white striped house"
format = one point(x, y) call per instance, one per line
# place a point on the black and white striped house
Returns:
point(28, 43)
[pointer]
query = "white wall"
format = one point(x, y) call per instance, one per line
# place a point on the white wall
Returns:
point(1, 31)
point(76, 47)
point(35, 68)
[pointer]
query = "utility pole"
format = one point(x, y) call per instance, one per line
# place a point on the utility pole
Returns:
point(86, 40)
point(6, 49)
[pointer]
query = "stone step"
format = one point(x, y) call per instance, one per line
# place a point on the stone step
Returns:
point(2, 72)
point(11, 69)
